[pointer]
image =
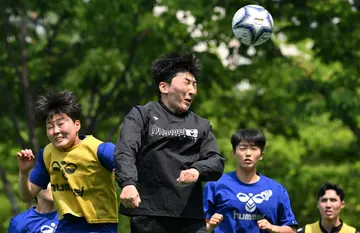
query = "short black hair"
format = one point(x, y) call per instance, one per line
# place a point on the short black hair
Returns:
point(248, 135)
point(55, 102)
point(165, 68)
point(330, 186)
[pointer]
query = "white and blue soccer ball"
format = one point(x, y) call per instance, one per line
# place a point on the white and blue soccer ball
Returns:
point(252, 25)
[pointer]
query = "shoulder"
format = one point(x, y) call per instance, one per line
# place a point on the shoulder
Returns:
point(47, 148)
point(348, 228)
point(307, 228)
point(199, 118)
point(106, 148)
point(224, 179)
point(271, 183)
point(146, 107)
point(21, 219)
point(92, 139)
point(138, 112)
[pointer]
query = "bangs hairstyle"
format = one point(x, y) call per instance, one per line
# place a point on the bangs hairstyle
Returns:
point(330, 186)
point(55, 102)
point(251, 136)
point(165, 68)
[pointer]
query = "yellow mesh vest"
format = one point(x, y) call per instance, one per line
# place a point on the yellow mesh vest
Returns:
point(80, 185)
point(315, 228)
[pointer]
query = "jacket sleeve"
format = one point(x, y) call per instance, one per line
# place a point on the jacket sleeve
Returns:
point(211, 163)
point(127, 148)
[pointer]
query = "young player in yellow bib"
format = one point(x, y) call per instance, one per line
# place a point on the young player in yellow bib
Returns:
point(80, 169)
point(330, 203)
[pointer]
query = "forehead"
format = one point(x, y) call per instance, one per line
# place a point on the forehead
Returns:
point(330, 194)
point(56, 117)
point(246, 143)
point(185, 75)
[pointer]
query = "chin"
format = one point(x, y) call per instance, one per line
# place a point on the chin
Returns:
point(185, 109)
point(182, 110)
point(62, 145)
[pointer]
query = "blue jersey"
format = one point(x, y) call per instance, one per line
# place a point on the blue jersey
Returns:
point(31, 221)
point(242, 205)
point(41, 177)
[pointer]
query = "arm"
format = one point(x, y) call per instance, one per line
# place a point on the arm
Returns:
point(285, 222)
point(105, 154)
point(211, 163)
point(127, 147)
point(31, 185)
point(212, 219)
point(283, 229)
point(27, 190)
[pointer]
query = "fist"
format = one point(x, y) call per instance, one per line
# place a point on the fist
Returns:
point(265, 225)
point(26, 160)
point(215, 220)
point(188, 176)
point(129, 197)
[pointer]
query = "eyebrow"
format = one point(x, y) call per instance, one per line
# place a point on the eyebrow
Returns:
point(247, 144)
point(328, 198)
point(190, 79)
point(58, 119)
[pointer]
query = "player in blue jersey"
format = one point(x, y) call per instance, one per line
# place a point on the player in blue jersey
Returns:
point(245, 200)
point(42, 218)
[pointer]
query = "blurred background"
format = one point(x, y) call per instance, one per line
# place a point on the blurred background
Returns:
point(301, 88)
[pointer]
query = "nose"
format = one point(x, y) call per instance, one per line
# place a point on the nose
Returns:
point(56, 129)
point(248, 152)
point(328, 204)
point(192, 90)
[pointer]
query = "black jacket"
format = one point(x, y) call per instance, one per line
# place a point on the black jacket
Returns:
point(154, 146)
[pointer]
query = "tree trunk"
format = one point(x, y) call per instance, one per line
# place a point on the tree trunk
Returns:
point(9, 192)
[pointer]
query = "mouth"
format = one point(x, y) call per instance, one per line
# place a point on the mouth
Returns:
point(188, 101)
point(59, 139)
point(247, 161)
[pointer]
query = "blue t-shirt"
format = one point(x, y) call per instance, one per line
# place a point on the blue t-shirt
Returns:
point(242, 205)
point(41, 177)
point(32, 221)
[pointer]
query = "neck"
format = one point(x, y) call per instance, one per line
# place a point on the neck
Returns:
point(44, 207)
point(247, 177)
point(328, 224)
point(166, 103)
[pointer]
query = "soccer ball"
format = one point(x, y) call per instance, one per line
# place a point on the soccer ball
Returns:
point(252, 25)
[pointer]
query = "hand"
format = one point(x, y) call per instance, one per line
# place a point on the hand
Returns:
point(188, 176)
point(265, 225)
point(26, 160)
point(129, 197)
point(214, 221)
